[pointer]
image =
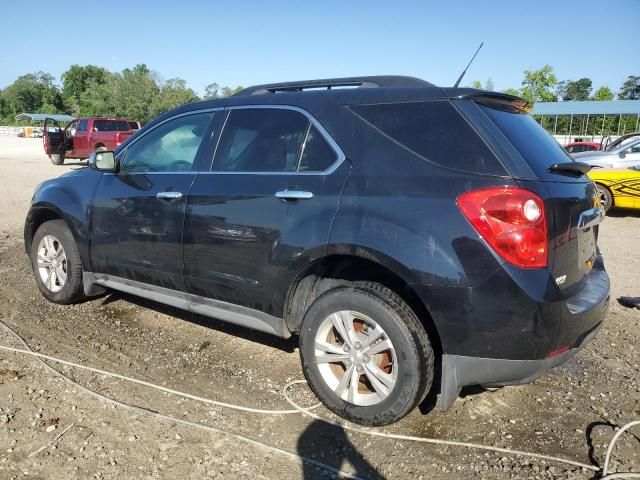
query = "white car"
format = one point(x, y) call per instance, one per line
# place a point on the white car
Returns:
point(623, 153)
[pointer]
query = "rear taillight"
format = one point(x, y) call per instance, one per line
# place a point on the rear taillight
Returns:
point(511, 220)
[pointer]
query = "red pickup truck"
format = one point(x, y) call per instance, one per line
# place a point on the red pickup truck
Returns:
point(83, 136)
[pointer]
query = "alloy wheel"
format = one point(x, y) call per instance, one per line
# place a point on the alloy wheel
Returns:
point(356, 358)
point(52, 263)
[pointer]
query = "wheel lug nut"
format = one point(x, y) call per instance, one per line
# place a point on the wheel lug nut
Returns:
point(346, 347)
point(366, 358)
point(358, 345)
point(360, 368)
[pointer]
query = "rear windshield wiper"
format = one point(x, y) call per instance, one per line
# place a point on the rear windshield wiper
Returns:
point(573, 167)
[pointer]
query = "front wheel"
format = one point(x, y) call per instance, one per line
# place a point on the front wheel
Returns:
point(365, 354)
point(56, 263)
point(57, 158)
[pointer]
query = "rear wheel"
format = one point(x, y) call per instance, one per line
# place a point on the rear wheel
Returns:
point(56, 263)
point(57, 158)
point(606, 198)
point(365, 354)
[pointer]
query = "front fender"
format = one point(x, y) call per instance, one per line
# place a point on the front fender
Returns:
point(68, 198)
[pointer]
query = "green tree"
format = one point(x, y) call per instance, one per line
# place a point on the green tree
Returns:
point(537, 85)
point(77, 79)
point(173, 92)
point(630, 89)
point(603, 93)
point(30, 93)
point(513, 91)
point(574, 90)
point(228, 91)
point(478, 84)
point(212, 91)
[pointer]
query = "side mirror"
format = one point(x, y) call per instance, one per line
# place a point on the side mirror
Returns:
point(622, 154)
point(103, 161)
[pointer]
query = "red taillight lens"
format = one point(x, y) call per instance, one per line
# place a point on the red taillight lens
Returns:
point(511, 220)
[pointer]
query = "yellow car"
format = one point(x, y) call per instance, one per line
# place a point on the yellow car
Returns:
point(619, 187)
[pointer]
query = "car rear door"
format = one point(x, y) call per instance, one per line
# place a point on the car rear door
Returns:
point(265, 208)
point(138, 213)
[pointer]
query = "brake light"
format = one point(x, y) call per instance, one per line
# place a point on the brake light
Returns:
point(511, 220)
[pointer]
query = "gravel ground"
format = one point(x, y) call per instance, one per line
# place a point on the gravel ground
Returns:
point(570, 412)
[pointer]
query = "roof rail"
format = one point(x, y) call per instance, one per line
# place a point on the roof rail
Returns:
point(330, 83)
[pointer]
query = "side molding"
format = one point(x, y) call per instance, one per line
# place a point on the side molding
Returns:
point(247, 317)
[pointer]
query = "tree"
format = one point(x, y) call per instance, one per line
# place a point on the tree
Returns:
point(77, 79)
point(603, 93)
point(478, 84)
point(574, 90)
point(228, 91)
point(512, 91)
point(172, 93)
point(630, 89)
point(30, 93)
point(537, 85)
point(211, 91)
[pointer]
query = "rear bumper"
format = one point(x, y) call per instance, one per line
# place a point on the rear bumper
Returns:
point(459, 371)
point(506, 331)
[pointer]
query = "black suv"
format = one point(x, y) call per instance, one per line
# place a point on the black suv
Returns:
point(405, 232)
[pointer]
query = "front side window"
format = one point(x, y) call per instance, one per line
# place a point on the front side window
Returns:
point(171, 147)
point(82, 126)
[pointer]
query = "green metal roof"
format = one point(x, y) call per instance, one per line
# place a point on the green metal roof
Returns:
point(41, 117)
point(612, 107)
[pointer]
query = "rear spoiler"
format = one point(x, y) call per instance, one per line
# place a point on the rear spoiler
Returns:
point(504, 100)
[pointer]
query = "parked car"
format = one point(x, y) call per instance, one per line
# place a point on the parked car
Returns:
point(135, 126)
point(620, 154)
point(405, 232)
point(618, 187)
point(577, 147)
point(83, 136)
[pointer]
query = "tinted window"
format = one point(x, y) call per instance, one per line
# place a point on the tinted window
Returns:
point(171, 147)
point(434, 131)
point(133, 125)
point(537, 147)
point(317, 154)
point(82, 125)
point(111, 126)
point(261, 140)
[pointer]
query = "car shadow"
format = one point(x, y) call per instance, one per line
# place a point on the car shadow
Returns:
point(329, 444)
point(623, 213)
point(285, 345)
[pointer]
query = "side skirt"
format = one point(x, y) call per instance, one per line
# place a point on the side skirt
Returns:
point(228, 312)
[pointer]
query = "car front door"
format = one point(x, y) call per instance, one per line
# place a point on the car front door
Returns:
point(138, 212)
point(266, 207)
point(630, 156)
point(52, 136)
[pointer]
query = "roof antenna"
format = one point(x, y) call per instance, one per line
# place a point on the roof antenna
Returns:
point(468, 65)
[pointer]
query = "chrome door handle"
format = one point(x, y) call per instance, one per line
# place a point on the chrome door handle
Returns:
point(294, 195)
point(169, 195)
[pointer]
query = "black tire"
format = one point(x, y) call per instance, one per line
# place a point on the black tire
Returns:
point(57, 158)
point(414, 353)
point(72, 291)
point(606, 197)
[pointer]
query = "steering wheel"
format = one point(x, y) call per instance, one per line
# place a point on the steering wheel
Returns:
point(182, 166)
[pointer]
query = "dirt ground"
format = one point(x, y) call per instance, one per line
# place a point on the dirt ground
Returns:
point(570, 412)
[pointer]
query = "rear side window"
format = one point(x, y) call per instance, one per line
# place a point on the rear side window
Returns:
point(110, 126)
point(271, 140)
point(537, 147)
point(434, 131)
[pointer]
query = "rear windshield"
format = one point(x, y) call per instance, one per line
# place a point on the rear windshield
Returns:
point(539, 149)
point(111, 126)
point(434, 131)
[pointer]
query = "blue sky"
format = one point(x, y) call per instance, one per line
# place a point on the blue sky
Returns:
point(243, 43)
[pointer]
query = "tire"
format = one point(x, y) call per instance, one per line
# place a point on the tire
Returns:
point(57, 158)
point(606, 197)
point(100, 148)
point(409, 364)
point(50, 237)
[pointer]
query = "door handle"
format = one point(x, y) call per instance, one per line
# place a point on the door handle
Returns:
point(294, 195)
point(169, 195)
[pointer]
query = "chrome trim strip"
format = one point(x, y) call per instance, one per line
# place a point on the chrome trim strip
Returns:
point(228, 312)
point(591, 218)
